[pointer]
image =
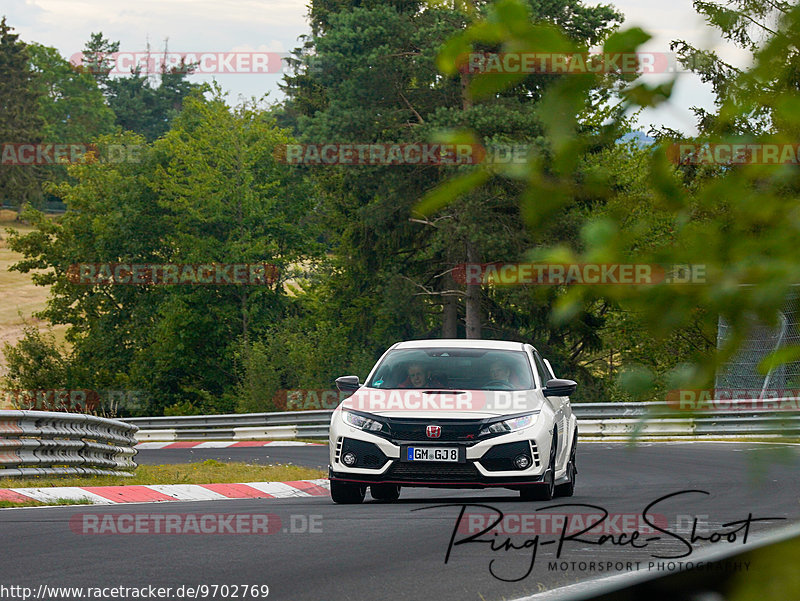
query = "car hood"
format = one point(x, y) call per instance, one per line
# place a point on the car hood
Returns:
point(449, 404)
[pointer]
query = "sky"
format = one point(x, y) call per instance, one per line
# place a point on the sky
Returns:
point(214, 26)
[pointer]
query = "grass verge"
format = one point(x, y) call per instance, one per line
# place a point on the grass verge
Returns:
point(8, 504)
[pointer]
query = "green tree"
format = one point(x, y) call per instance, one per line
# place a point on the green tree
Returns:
point(71, 107)
point(229, 201)
point(369, 74)
point(143, 103)
point(71, 104)
point(737, 221)
point(747, 25)
point(210, 191)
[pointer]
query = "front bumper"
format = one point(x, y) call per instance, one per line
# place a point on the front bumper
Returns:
point(436, 478)
point(487, 462)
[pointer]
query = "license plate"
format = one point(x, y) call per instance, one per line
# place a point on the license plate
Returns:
point(432, 454)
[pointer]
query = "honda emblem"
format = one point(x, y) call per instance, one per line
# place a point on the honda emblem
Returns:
point(433, 431)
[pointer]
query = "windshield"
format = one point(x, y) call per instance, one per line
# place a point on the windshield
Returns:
point(453, 369)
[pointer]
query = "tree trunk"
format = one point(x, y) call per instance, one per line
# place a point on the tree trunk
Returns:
point(473, 299)
point(449, 309)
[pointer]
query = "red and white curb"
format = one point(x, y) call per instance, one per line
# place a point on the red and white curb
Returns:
point(223, 444)
point(154, 493)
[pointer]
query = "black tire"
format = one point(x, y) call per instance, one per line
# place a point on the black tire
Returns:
point(546, 490)
point(385, 492)
point(347, 493)
point(568, 488)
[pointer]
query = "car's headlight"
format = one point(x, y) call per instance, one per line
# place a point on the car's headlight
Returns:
point(511, 425)
point(363, 423)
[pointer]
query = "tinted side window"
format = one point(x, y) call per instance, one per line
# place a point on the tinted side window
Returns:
point(541, 369)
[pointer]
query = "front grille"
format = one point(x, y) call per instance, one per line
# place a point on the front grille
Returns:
point(433, 472)
point(413, 430)
point(367, 454)
point(500, 457)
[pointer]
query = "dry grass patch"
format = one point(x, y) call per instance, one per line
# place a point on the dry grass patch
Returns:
point(21, 297)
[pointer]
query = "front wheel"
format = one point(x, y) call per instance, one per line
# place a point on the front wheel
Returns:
point(347, 493)
point(568, 488)
point(546, 490)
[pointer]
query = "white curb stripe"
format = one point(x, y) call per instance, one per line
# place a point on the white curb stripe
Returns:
point(214, 444)
point(278, 489)
point(49, 495)
point(292, 443)
point(187, 492)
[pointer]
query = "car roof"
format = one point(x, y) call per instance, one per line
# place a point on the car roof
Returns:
point(504, 345)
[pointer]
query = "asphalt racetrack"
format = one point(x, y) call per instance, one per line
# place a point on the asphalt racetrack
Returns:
point(322, 551)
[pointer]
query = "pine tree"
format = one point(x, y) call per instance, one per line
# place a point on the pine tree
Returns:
point(19, 119)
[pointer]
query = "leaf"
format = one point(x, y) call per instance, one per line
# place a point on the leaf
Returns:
point(454, 54)
point(649, 96)
point(787, 354)
point(488, 84)
point(511, 13)
point(447, 192)
point(627, 40)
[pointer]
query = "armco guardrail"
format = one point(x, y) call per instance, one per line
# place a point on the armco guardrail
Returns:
point(603, 420)
point(48, 443)
point(236, 426)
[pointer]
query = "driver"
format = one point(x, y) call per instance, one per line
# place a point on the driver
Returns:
point(500, 372)
point(418, 377)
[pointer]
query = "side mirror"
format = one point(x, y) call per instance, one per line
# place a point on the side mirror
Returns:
point(347, 383)
point(558, 387)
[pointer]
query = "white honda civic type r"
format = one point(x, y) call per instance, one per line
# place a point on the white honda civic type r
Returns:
point(454, 414)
